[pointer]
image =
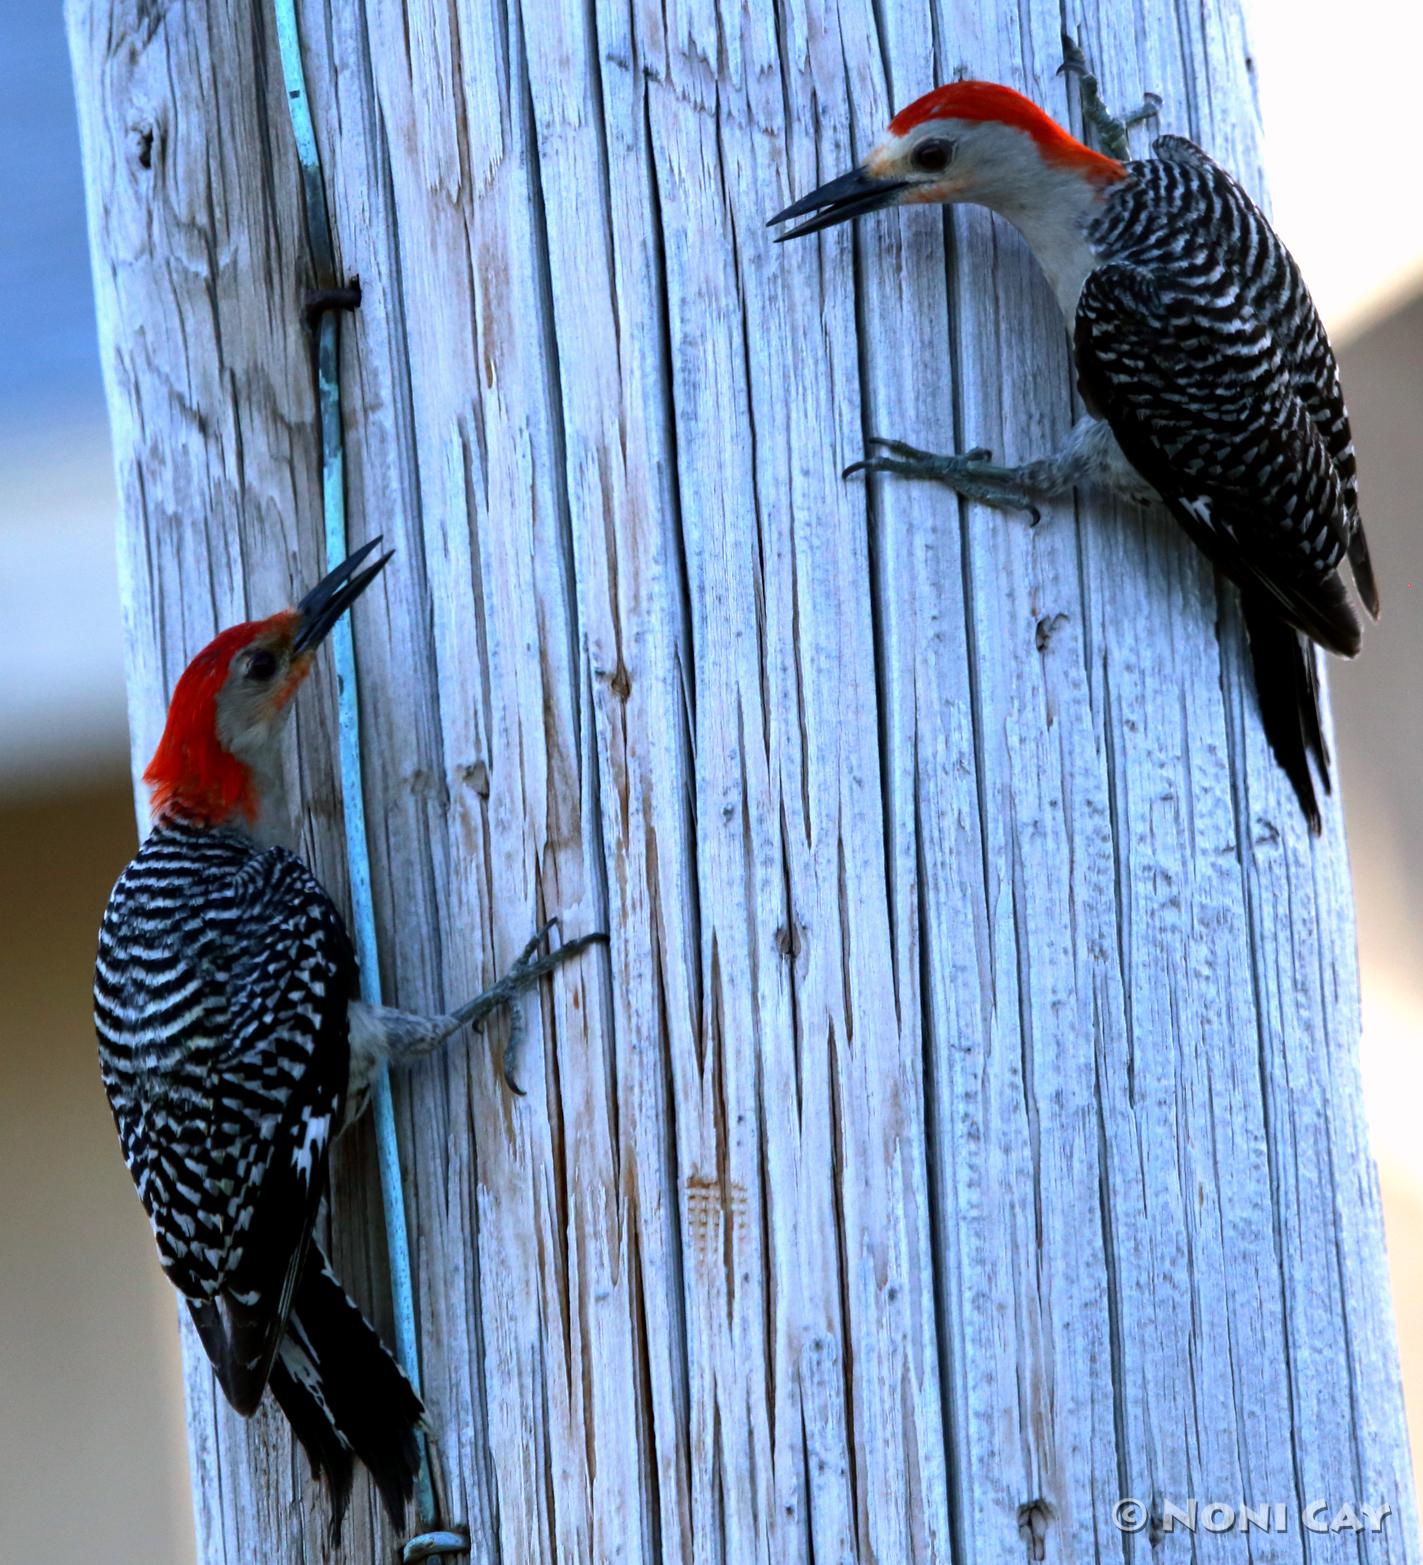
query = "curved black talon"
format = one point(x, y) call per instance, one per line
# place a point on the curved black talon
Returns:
point(508, 1059)
point(1111, 129)
point(1073, 59)
point(523, 975)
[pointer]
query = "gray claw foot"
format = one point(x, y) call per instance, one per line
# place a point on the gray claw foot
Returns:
point(969, 473)
point(1111, 130)
point(533, 963)
point(513, 1052)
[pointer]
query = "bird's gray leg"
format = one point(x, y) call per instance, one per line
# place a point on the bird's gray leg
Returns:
point(380, 1033)
point(1090, 451)
point(1111, 130)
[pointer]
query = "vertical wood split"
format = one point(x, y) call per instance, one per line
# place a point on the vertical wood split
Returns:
point(966, 1134)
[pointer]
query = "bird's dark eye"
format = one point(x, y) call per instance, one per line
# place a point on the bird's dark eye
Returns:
point(261, 665)
point(933, 157)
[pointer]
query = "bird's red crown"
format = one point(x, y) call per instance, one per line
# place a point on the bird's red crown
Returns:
point(991, 101)
point(192, 773)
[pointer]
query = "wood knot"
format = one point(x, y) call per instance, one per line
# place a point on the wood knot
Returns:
point(475, 774)
point(140, 138)
point(617, 679)
point(1033, 1519)
point(788, 941)
point(1048, 626)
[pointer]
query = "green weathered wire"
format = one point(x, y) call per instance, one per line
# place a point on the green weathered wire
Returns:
point(333, 492)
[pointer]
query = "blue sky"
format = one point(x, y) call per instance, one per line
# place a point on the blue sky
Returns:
point(62, 705)
point(49, 363)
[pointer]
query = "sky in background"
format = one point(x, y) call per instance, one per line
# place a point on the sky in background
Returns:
point(62, 706)
point(1338, 96)
point(49, 368)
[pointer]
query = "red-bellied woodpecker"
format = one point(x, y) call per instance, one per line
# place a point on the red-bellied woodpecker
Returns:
point(1207, 376)
point(233, 1051)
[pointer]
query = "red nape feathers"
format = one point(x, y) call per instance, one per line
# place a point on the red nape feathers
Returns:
point(191, 772)
point(990, 101)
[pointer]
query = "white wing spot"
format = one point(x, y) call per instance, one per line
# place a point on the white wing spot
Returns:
point(313, 1138)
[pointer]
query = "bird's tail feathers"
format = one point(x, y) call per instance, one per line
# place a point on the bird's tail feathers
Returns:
point(1320, 607)
point(345, 1396)
point(1287, 686)
point(1363, 569)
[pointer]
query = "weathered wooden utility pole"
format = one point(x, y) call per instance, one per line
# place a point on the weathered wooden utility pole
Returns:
point(965, 1134)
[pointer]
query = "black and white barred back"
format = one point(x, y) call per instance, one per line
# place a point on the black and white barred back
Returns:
point(1197, 341)
point(221, 997)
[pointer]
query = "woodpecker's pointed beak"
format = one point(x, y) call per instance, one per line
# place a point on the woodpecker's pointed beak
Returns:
point(329, 599)
point(852, 195)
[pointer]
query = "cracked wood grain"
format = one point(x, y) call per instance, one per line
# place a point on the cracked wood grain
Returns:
point(964, 1131)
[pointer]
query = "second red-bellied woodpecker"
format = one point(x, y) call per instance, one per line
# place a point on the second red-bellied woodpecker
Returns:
point(1207, 375)
point(234, 1050)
